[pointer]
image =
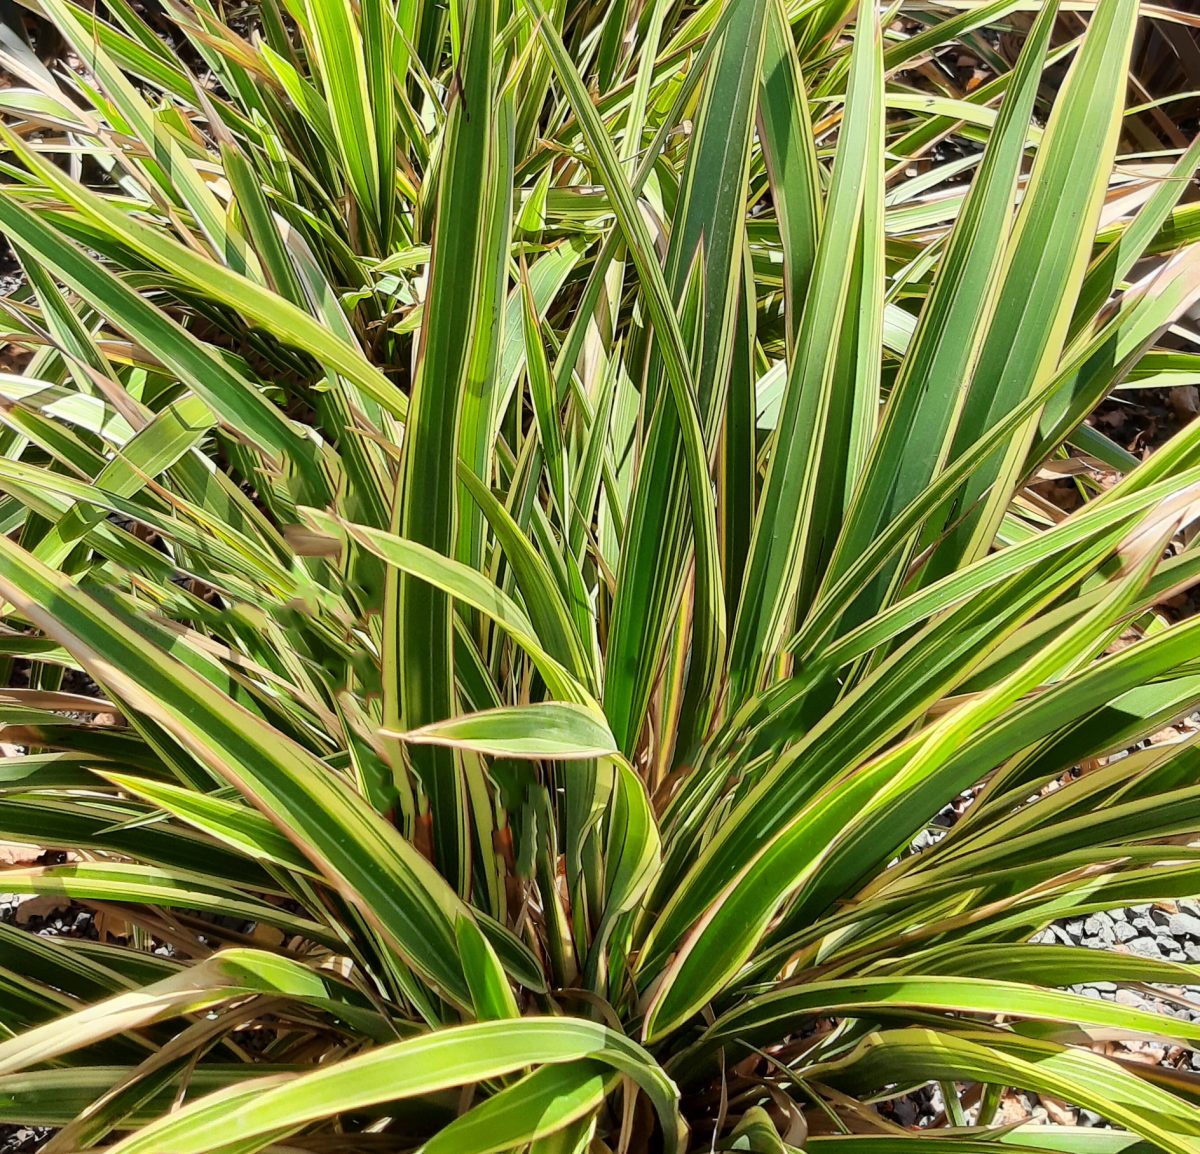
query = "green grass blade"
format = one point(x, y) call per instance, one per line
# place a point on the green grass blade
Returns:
point(418, 629)
point(546, 730)
point(769, 1016)
point(275, 314)
point(543, 1103)
point(830, 381)
point(234, 399)
point(790, 153)
point(1045, 262)
point(409, 1069)
point(173, 170)
point(924, 399)
point(668, 340)
point(1070, 1075)
point(351, 844)
point(347, 75)
point(452, 578)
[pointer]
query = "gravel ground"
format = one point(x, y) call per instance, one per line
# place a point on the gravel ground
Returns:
point(1153, 931)
point(22, 1139)
point(10, 271)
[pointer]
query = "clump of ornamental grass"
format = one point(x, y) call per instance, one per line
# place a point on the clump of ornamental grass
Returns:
point(515, 517)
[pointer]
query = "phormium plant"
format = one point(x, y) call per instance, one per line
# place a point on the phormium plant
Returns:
point(516, 515)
